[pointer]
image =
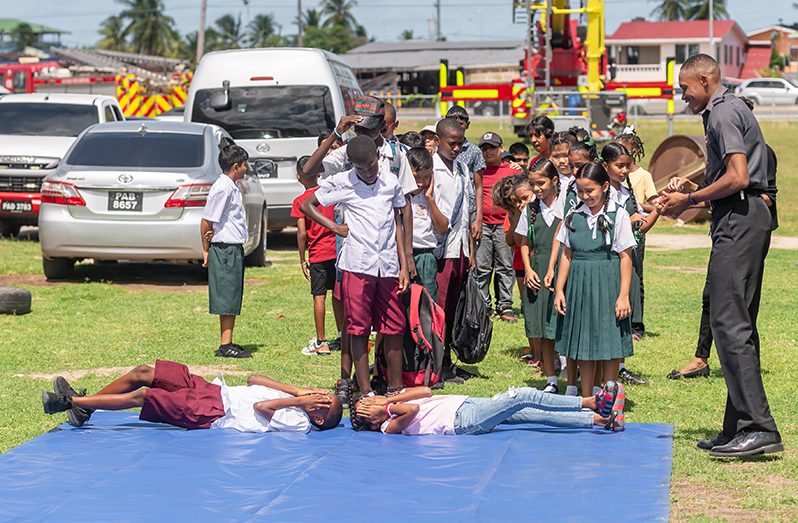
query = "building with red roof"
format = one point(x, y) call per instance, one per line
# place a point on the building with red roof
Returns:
point(640, 48)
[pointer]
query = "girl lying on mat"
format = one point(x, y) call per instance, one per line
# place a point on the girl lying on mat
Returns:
point(169, 393)
point(416, 411)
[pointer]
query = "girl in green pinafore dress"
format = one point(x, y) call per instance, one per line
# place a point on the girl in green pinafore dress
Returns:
point(581, 152)
point(535, 233)
point(617, 160)
point(592, 291)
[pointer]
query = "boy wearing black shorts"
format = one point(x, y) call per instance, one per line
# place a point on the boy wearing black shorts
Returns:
point(319, 268)
point(224, 233)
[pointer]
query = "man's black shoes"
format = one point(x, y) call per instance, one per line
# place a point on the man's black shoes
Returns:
point(707, 444)
point(630, 378)
point(750, 443)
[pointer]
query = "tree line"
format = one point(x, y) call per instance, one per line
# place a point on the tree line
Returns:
point(143, 27)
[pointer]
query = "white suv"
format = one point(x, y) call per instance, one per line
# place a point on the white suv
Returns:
point(36, 130)
point(769, 91)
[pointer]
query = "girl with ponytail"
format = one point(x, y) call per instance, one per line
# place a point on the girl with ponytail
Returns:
point(594, 275)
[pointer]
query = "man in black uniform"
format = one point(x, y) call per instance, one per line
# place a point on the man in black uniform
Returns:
point(735, 178)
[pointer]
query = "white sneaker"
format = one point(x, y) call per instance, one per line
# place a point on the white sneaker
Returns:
point(551, 388)
point(571, 390)
point(316, 348)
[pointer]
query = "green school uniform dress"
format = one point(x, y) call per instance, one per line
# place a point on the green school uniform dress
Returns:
point(538, 305)
point(553, 325)
point(635, 288)
point(589, 330)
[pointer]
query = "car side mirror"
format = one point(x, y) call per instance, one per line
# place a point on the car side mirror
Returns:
point(221, 101)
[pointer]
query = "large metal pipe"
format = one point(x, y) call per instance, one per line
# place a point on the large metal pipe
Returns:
point(684, 156)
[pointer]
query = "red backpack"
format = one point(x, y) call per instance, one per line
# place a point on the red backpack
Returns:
point(423, 343)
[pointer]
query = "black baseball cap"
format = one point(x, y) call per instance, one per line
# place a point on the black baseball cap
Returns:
point(372, 109)
point(490, 138)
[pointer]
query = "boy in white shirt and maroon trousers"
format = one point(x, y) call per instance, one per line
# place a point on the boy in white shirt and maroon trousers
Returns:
point(372, 258)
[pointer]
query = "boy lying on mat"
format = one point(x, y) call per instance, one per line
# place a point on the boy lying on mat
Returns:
point(415, 411)
point(168, 393)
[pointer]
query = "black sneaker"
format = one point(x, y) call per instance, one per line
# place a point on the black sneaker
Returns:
point(630, 378)
point(462, 373)
point(54, 403)
point(231, 350)
point(335, 344)
point(438, 385)
point(343, 389)
point(551, 388)
point(76, 416)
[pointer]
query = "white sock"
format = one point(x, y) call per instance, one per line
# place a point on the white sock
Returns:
point(622, 365)
point(552, 379)
point(596, 390)
point(571, 390)
point(563, 362)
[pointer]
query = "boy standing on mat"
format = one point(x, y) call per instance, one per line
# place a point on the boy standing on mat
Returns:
point(372, 259)
point(224, 233)
point(169, 393)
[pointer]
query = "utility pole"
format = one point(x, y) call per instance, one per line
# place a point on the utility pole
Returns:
point(299, 23)
point(712, 29)
point(438, 36)
point(201, 31)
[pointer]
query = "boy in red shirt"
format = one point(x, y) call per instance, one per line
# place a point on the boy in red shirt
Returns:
point(319, 268)
point(494, 255)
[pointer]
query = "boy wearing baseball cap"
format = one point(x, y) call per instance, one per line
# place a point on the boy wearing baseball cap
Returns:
point(494, 255)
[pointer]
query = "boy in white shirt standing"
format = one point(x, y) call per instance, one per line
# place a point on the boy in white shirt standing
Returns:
point(224, 233)
point(372, 259)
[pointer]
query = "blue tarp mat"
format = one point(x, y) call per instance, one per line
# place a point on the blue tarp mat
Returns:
point(117, 468)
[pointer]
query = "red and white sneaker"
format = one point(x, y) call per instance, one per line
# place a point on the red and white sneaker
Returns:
point(606, 398)
point(616, 421)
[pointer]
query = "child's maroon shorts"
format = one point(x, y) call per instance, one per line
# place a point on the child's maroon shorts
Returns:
point(371, 301)
point(180, 398)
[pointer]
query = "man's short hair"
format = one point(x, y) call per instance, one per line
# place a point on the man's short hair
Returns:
point(334, 414)
point(458, 112)
point(412, 139)
point(231, 155)
point(419, 158)
point(702, 64)
point(448, 126)
point(361, 149)
point(390, 113)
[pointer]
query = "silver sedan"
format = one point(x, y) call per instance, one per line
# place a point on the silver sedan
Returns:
point(136, 191)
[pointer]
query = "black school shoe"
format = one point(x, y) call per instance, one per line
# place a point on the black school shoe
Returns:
point(54, 403)
point(751, 443)
point(630, 378)
point(76, 416)
point(707, 444)
point(232, 350)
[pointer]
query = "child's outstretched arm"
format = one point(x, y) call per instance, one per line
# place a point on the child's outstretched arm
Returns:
point(206, 233)
point(411, 393)
point(622, 306)
point(318, 155)
point(309, 402)
point(308, 207)
point(302, 243)
point(405, 413)
point(649, 221)
point(257, 379)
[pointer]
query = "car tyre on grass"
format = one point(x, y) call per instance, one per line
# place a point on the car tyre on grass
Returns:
point(257, 258)
point(58, 268)
point(9, 229)
point(14, 300)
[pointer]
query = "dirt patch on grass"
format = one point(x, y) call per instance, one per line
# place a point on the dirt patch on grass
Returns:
point(200, 370)
point(693, 499)
point(138, 284)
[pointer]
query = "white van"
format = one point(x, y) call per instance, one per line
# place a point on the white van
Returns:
point(274, 102)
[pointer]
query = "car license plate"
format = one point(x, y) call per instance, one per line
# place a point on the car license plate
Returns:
point(16, 206)
point(124, 201)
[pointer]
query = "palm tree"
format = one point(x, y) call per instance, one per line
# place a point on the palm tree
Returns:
point(264, 32)
point(149, 29)
point(671, 9)
point(111, 29)
point(311, 18)
point(339, 12)
point(407, 34)
point(229, 29)
point(699, 10)
point(24, 36)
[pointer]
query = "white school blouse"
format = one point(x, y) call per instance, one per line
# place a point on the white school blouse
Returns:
point(225, 208)
point(622, 238)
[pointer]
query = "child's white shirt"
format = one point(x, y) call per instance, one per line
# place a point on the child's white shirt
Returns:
point(338, 161)
point(240, 414)
point(370, 247)
point(622, 238)
point(423, 230)
point(448, 185)
point(225, 209)
point(547, 213)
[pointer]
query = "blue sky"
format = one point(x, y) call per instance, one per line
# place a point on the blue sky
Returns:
point(383, 19)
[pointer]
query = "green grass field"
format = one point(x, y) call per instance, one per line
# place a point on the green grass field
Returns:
point(124, 315)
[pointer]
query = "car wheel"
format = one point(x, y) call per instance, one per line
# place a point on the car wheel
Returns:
point(14, 300)
point(257, 258)
point(9, 229)
point(58, 268)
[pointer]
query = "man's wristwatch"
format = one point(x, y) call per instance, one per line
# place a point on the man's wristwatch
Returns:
point(690, 199)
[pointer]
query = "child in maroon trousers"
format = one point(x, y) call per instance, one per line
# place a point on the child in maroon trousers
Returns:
point(169, 393)
point(372, 257)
